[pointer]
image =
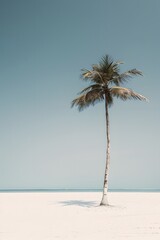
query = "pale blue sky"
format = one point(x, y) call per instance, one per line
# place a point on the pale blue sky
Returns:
point(43, 45)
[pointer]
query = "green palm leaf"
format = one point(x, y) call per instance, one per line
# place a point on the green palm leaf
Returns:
point(125, 93)
point(89, 98)
point(92, 75)
point(124, 77)
point(92, 87)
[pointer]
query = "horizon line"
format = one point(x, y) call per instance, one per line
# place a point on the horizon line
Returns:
point(79, 189)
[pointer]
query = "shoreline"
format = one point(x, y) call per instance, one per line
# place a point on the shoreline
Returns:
point(80, 190)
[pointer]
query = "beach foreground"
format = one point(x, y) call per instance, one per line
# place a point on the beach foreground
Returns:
point(76, 215)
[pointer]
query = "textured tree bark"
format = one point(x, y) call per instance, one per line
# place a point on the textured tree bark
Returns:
point(104, 201)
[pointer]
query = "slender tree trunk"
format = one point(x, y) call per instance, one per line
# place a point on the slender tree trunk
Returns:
point(104, 201)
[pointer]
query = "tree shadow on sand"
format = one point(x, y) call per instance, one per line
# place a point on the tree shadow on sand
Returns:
point(79, 203)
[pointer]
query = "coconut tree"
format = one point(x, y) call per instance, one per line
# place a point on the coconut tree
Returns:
point(104, 84)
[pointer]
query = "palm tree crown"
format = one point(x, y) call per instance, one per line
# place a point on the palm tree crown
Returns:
point(102, 77)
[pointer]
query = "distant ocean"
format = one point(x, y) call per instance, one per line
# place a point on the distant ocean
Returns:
point(78, 190)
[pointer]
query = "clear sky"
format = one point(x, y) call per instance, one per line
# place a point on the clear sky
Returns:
point(43, 46)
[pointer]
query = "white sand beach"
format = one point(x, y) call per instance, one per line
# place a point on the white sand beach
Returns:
point(76, 215)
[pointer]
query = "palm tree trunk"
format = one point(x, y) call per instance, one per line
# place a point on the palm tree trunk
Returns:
point(104, 201)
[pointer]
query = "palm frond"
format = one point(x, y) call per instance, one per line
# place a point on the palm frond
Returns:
point(124, 77)
point(109, 69)
point(105, 63)
point(89, 98)
point(92, 87)
point(86, 74)
point(91, 75)
point(125, 93)
point(119, 62)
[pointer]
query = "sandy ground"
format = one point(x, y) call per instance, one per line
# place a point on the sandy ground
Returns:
point(68, 216)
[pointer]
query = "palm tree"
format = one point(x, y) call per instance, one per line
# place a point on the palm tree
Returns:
point(105, 79)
